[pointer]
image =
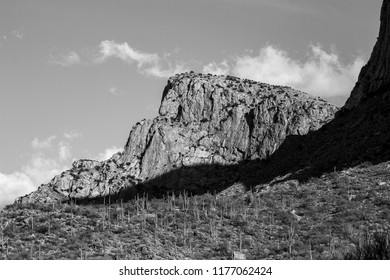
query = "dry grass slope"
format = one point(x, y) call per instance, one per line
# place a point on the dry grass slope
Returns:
point(339, 215)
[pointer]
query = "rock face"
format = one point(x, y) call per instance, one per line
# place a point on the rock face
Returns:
point(360, 133)
point(205, 122)
point(375, 75)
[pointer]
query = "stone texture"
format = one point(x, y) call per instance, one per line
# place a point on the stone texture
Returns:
point(375, 75)
point(205, 122)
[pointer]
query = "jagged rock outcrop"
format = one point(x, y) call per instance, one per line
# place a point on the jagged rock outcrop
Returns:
point(360, 133)
point(205, 122)
point(375, 75)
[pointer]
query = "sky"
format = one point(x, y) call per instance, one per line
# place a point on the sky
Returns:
point(75, 75)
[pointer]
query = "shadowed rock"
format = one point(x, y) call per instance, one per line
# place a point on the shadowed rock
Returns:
point(206, 125)
point(213, 131)
point(375, 75)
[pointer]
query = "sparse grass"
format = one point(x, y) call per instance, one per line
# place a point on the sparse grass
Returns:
point(374, 246)
point(320, 219)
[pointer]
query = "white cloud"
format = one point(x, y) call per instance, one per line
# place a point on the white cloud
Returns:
point(49, 159)
point(217, 69)
point(150, 64)
point(109, 152)
point(158, 71)
point(116, 91)
point(70, 135)
point(41, 168)
point(321, 74)
point(124, 52)
point(19, 34)
point(51, 156)
point(64, 151)
point(46, 143)
point(14, 185)
point(65, 60)
point(46, 163)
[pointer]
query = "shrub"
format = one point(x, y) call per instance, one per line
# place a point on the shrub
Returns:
point(23, 255)
point(90, 213)
point(43, 229)
point(375, 248)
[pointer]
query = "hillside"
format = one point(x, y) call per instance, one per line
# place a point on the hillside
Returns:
point(229, 166)
point(324, 218)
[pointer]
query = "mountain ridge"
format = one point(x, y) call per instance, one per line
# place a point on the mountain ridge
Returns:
point(375, 75)
point(323, 194)
point(203, 120)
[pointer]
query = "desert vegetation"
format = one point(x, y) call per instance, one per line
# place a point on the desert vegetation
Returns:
point(340, 215)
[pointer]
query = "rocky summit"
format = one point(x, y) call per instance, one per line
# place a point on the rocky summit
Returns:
point(205, 123)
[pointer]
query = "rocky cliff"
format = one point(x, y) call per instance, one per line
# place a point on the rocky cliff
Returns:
point(358, 134)
point(375, 75)
point(205, 123)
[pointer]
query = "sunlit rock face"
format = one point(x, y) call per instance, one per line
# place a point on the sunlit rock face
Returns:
point(204, 120)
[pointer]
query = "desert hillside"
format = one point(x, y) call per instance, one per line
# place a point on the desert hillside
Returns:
point(230, 168)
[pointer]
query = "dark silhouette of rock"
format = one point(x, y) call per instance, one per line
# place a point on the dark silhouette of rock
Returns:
point(359, 133)
point(206, 125)
point(375, 75)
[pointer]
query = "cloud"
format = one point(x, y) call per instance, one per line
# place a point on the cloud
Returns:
point(217, 69)
point(64, 151)
point(108, 153)
point(115, 91)
point(149, 64)
point(70, 135)
point(49, 158)
point(44, 144)
point(124, 52)
point(40, 169)
point(19, 34)
point(14, 185)
point(321, 74)
point(65, 60)
point(158, 71)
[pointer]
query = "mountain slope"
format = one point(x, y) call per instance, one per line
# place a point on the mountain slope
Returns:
point(204, 120)
point(324, 218)
point(323, 195)
point(360, 131)
point(375, 75)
